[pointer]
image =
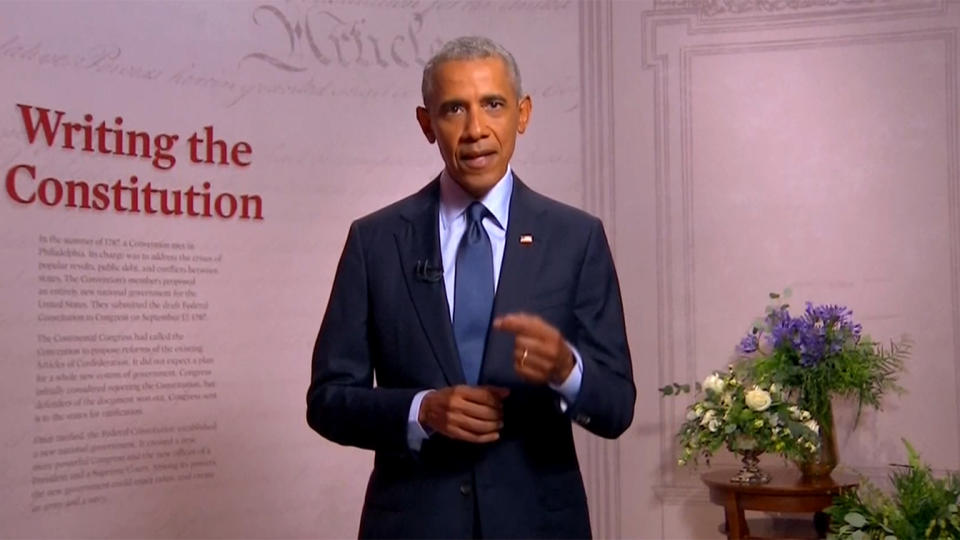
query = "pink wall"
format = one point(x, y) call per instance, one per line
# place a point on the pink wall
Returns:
point(766, 145)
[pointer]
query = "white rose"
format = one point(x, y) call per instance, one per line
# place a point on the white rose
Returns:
point(812, 426)
point(714, 383)
point(711, 421)
point(758, 400)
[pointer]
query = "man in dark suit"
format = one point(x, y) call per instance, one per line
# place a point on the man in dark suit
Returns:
point(468, 324)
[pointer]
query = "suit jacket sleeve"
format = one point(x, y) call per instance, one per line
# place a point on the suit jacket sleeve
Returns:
point(342, 403)
point(607, 395)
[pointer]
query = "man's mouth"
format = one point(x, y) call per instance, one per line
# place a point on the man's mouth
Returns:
point(477, 160)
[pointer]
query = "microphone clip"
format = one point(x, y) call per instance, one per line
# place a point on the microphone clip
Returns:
point(426, 272)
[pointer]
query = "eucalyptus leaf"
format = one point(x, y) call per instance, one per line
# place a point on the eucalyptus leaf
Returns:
point(856, 519)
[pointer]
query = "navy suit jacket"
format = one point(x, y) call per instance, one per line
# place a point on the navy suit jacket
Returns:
point(387, 335)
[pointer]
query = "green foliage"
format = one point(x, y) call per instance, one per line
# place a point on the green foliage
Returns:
point(736, 414)
point(864, 371)
point(676, 388)
point(921, 506)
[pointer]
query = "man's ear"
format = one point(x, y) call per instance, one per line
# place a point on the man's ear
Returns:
point(526, 107)
point(423, 117)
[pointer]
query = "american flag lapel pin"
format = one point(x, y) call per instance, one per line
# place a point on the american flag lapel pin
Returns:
point(526, 239)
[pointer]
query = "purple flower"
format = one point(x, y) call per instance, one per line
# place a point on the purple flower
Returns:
point(834, 317)
point(787, 331)
point(812, 345)
point(821, 332)
point(750, 343)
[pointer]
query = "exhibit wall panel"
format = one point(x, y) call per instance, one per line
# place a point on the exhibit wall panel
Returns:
point(179, 181)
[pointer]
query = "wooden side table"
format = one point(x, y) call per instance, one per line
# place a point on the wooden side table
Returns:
point(787, 491)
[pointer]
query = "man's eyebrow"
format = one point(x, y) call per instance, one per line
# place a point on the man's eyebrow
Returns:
point(444, 105)
point(487, 98)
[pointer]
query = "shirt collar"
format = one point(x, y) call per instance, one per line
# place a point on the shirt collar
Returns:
point(454, 200)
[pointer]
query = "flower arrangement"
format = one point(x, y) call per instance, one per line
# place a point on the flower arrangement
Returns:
point(921, 506)
point(744, 418)
point(777, 398)
point(821, 354)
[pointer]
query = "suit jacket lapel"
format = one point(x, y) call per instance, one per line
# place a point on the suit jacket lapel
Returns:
point(417, 243)
point(518, 275)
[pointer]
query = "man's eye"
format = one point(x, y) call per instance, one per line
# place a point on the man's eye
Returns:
point(496, 104)
point(454, 109)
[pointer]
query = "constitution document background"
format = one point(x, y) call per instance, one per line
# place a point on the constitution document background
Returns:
point(154, 366)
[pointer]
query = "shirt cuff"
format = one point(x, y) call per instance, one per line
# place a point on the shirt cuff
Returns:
point(415, 432)
point(569, 389)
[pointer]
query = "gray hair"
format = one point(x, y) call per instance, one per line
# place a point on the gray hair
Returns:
point(469, 48)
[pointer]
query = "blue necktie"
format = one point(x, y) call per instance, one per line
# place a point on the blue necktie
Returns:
point(473, 292)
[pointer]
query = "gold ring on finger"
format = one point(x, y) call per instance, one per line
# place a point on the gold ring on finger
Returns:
point(523, 359)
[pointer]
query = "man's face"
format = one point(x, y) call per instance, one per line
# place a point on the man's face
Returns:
point(474, 116)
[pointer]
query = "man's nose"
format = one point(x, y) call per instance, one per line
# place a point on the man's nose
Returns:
point(474, 130)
